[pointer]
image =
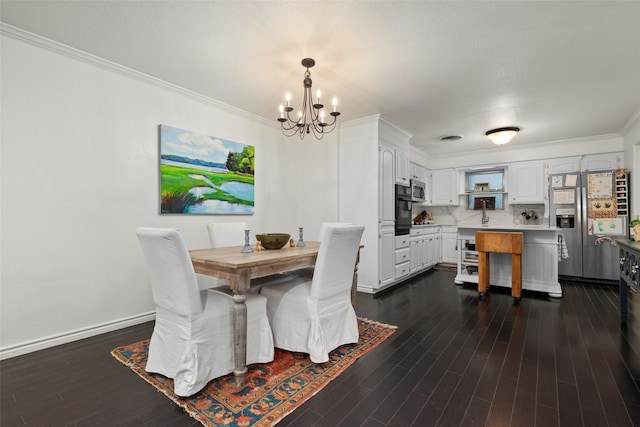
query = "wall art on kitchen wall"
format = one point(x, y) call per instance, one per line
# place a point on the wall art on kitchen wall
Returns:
point(202, 174)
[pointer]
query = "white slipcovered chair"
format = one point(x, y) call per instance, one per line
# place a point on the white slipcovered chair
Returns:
point(192, 340)
point(315, 315)
point(308, 271)
point(222, 234)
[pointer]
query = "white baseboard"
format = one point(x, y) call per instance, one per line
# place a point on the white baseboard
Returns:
point(52, 341)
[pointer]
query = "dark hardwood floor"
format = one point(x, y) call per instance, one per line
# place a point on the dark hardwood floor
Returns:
point(454, 361)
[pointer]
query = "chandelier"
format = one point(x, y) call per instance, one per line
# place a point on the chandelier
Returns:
point(311, 117)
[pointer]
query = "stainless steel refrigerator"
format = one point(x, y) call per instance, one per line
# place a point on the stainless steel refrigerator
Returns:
point(592, 210)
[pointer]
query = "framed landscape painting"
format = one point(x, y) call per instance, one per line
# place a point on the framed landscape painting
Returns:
point(202, 174)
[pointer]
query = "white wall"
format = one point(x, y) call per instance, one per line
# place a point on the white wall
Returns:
point(79, 172)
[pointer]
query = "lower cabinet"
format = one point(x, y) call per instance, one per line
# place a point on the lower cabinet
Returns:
point(402, 256)
point(449, 245)
point(387, 256)
point(425, 250)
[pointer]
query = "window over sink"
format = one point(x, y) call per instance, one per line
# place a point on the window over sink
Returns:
point(485, 187)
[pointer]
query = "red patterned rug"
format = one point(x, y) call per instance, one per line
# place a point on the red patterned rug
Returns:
point(272, 390)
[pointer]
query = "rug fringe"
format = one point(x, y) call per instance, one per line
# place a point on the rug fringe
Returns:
point(364, 319)
point(175, 399)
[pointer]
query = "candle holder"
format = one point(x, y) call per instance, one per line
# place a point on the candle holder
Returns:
point(300, 239)
point(247, 247)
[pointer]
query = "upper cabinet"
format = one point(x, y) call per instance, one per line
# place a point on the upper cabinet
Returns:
point(418, 173)
point(526, 182)
point(403, 168)
point(386, 186)
point(599, 162)
point(562, 165)
point(443, 188)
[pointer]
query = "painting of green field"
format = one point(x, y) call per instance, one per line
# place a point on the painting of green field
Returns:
point(202, 174)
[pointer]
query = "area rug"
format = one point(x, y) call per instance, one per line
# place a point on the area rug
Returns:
point(272, 391)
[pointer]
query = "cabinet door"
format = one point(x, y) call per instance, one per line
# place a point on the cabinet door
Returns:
point(443, 187)
point(435, 253)
point(526, 182)
point(418, 172)
point(386, 210)
point(416, 256)
point(562, 165)
point(449, 248)
point(599, 162)
point(402, 167)
point(387, 256)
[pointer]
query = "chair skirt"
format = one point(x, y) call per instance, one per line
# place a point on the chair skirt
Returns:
point(193, 351)
point(317, 329)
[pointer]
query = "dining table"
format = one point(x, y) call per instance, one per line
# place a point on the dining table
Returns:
point(240, 268)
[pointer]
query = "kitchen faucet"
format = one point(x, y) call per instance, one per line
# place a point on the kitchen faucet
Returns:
point(485, 217)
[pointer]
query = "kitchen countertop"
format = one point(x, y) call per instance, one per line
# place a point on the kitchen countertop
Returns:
point(492, 227)
point(629, 243)
point(510, 227)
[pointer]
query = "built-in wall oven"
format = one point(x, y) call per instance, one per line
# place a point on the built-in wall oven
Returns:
point(403, 210)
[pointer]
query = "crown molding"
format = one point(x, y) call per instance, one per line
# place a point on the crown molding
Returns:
point(82, 56)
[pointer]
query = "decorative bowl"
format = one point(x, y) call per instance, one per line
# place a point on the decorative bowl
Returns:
point(273, 240)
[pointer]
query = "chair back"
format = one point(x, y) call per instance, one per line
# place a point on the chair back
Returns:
point(173, 280)
point(336, 261)
point(222, 234)
point(325, 225)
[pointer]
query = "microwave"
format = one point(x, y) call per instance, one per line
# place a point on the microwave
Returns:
point(417, 191)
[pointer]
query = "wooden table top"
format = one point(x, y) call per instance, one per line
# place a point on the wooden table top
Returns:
point(231, 257)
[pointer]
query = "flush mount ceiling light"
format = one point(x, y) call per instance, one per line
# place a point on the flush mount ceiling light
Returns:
point(311, 117)
point(501, 136)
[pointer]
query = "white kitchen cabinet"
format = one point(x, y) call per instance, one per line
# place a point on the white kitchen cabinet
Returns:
point(600, 162)
point(387, 257)
point(417, 253)
point(386, 206)
point(366, 191)
point(402, 256)
point(449, 245)
point(443, 188)
point(425, 248)
point(562, 165)
point(431, 250)
point(526, 182)
point(418, 172)
point(403, 168)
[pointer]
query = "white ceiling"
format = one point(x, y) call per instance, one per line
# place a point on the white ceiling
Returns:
point(557, 69)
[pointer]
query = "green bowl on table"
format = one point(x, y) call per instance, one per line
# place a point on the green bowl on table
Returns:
point(273, 240)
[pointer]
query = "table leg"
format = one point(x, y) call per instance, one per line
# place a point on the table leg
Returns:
point(516, 277)
point(484, 273)
point(240, 338)
point(239, 284)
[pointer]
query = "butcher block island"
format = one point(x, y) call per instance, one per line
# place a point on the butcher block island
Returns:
point(539, 258)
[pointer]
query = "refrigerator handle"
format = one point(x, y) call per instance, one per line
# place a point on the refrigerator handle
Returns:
point(584, 219)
